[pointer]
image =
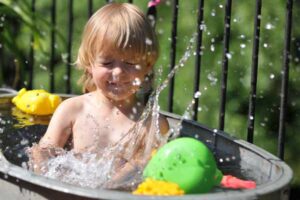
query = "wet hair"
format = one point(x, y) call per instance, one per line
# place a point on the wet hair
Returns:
point(116, 26)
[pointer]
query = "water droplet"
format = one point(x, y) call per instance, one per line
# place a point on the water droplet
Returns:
point(212, 78)
point(202, 27)
point(269, 26)
point(43, 67)
point(24, 165)
point(197, 94)
point(213, 13)
point(24, 142)
point(136, 82)
point(64, 57)
point(134, 110)
point(148, 41)
point(138, 67)
point(228, 55)
point(160, 31)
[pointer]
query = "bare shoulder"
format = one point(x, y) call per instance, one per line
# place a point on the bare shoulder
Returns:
point(163, 124)
point(72, 104)
point(60, 126)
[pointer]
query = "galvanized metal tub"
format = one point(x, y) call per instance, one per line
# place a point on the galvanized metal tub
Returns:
point(235, 156)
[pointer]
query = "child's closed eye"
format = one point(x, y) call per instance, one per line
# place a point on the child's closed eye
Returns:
point(106, 63)
point(130, 63)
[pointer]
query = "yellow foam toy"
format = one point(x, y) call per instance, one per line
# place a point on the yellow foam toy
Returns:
point(156, 187)
point(36, 102)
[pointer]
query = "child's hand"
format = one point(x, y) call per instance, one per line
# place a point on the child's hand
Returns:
point(126, 174)
point(38, 157)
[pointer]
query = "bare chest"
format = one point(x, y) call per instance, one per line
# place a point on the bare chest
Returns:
point(96, 131)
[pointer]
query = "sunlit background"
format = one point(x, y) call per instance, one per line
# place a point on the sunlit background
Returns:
point(17, 25)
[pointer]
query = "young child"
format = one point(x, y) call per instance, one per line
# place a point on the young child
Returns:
point(117, 53)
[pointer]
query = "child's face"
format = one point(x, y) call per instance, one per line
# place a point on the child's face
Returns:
point(117, 76)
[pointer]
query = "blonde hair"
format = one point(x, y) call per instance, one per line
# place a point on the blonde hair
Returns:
point(121, 26)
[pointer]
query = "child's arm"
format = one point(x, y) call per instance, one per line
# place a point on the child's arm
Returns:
point(56, 136)
point(138, 162)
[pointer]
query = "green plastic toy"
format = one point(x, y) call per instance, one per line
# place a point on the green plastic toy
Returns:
point(187, 162)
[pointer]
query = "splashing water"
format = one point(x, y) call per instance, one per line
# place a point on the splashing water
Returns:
point(130, 154)
point(85, 167)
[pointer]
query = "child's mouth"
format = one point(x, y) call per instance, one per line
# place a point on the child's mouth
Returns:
point(119, 84)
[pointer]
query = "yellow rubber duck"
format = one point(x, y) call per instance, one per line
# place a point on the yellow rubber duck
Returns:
point(36, 102)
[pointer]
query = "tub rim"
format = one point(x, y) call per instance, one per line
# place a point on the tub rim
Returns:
point(281, 182)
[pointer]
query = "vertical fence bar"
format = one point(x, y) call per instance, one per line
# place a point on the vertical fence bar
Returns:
point(285, 78)
point(2, 62)
point(69, 46)
point(225, 64)
point(31, 51)
point(52, 55)
point(90, 8)
point(255, 53)
point(151, 15)
point(173, 52)
point(198, 57)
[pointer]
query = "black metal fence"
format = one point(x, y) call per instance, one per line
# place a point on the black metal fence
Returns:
point(197, 68)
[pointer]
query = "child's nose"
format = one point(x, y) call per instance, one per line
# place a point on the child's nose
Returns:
point(118, 71)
